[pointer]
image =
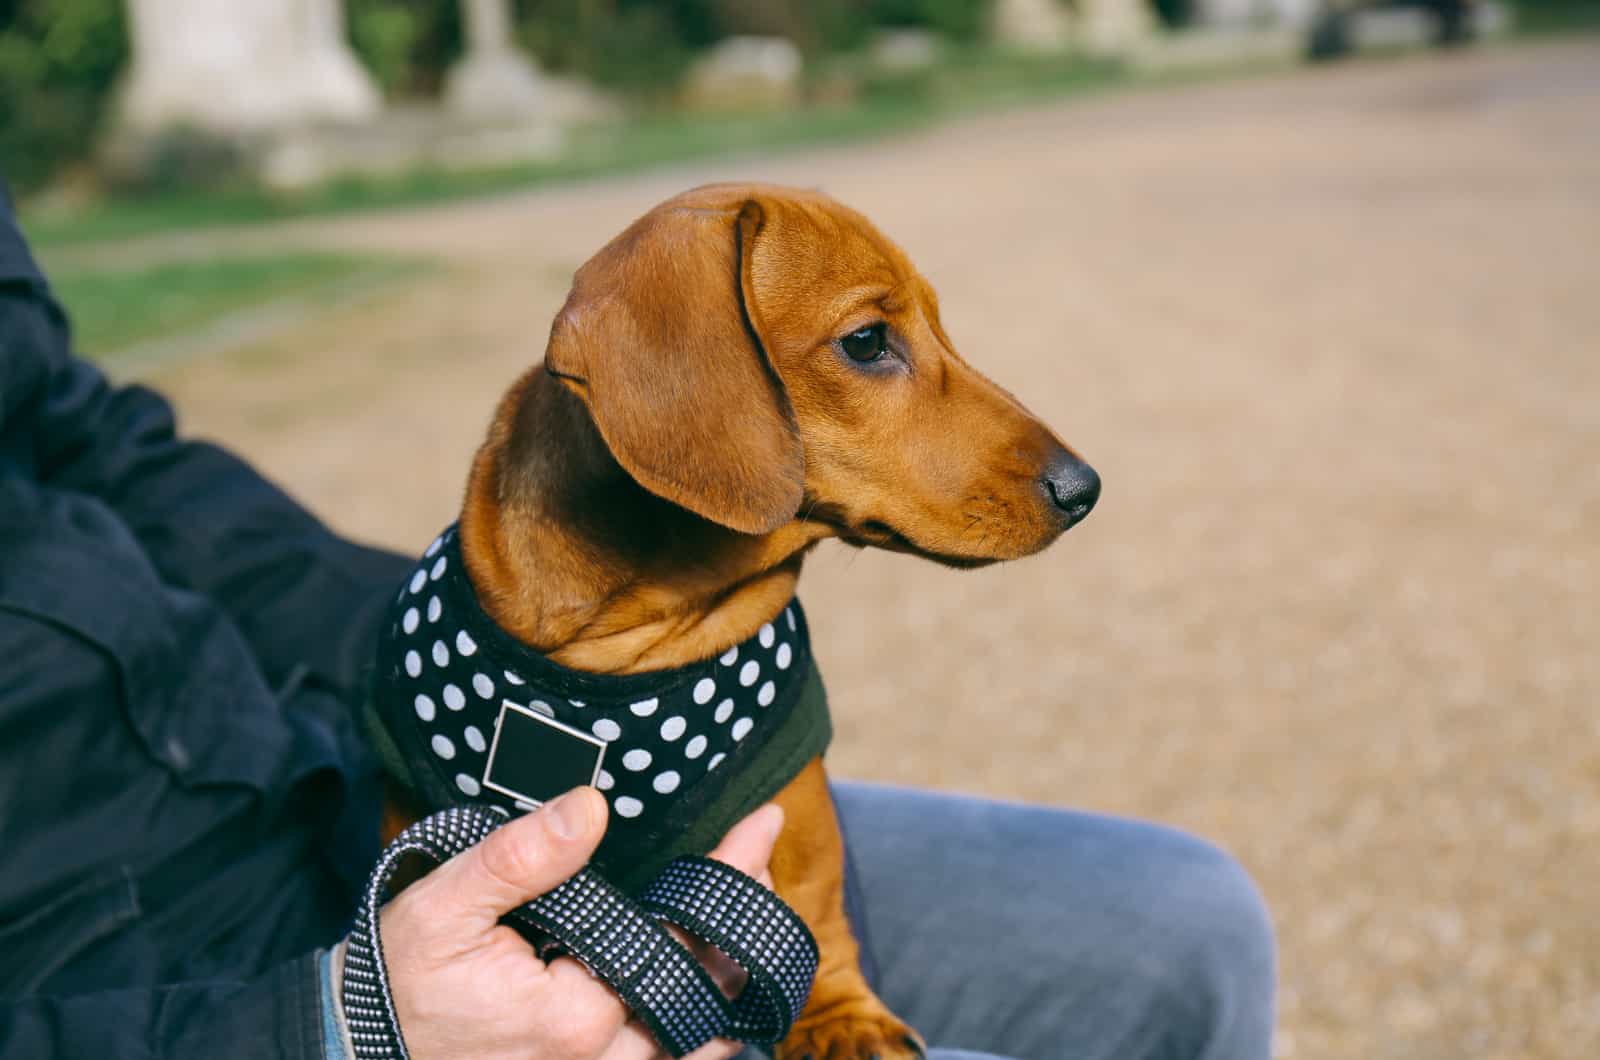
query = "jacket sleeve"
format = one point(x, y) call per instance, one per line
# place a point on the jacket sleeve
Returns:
point(308, 601)
point(276, 1017)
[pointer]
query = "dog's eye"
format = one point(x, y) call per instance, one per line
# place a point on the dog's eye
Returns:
point(866, 344)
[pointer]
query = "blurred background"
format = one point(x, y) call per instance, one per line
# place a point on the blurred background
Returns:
point(1314, 284)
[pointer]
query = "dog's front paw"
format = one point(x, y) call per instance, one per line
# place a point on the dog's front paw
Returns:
point(859, 1029)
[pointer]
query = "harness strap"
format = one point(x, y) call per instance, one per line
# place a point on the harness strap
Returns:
point(620, 942)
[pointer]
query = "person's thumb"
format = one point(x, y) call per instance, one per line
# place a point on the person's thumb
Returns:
point(518, 861)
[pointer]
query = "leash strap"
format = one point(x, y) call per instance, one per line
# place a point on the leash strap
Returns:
point(619, 941)
point(718, 903)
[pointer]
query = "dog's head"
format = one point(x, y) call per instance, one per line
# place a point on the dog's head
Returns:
point(761, 355)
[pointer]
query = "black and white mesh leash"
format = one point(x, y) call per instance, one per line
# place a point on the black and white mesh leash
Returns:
point(621, 942)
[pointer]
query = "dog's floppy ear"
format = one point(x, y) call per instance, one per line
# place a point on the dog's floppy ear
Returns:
point(659, 340)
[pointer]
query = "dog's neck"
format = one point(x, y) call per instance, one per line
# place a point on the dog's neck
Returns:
point(575, 559)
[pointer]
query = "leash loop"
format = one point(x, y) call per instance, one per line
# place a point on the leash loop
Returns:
point(618, 940)
point(733, 912)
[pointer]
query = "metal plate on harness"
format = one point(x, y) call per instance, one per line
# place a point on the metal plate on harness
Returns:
point(534, 758)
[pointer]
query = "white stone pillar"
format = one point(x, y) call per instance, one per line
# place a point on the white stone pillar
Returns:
point(1113, 27)
point(1031, 25)
point(495, 78)
point(242, 66)
point(338, 74)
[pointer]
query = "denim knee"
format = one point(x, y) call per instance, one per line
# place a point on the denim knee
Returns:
point(1220, 960)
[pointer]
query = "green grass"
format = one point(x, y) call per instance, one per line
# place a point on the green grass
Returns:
point(966, 81)
point(113, 309)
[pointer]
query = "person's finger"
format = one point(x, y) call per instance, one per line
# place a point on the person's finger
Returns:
point(518, 861)
point(635, 1042)
point(716, 1049)
point(748, 844)
point(572, 988)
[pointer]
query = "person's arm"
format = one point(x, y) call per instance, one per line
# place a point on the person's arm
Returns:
point(275, 1017)
point(301, 595)
point(465, 986)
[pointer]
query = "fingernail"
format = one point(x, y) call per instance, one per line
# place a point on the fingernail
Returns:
point(569, 814)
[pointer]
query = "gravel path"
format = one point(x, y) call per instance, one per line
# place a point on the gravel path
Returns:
point(1333, 340)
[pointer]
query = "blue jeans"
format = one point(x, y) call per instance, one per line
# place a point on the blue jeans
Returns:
point(1002, 930)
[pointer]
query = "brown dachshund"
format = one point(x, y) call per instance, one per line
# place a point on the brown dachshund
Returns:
point(745, 371)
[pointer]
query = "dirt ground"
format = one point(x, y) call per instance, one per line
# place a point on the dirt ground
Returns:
point(1333, 341)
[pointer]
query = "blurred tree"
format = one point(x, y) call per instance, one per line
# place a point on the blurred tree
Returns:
point(1174, 14)
point(634, 46)
point(407, 44)
point(58, 63)
point(962, 20)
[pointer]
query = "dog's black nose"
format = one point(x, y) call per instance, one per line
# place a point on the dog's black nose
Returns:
point(1073, 487)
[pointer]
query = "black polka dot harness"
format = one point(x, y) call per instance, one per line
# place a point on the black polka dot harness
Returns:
point(472, 722)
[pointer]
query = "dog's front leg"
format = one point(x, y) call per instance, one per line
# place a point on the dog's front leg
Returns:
point(843, 1020)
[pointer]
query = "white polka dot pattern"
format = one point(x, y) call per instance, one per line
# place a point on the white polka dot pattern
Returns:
point(663, 736)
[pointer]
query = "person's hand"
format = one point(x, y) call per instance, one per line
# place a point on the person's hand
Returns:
point(466, 986)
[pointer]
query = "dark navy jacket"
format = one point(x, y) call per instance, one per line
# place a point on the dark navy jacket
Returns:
point(186, 806)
